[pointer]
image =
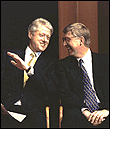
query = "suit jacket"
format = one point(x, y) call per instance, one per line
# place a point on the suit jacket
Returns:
point(35, 92)
point(11, 79)
point(71, 84)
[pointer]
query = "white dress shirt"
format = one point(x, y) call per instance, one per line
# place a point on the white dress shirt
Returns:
point(87, 63)
point(28, 57)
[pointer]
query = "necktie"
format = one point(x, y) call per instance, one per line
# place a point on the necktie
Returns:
point(30, 63)
point(89, 94)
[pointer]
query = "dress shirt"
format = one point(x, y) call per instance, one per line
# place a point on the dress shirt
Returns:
point(27, 58)
point(87, 63)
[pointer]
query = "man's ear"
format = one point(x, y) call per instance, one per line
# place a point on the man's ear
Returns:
point(82, 39)
point(30, 34)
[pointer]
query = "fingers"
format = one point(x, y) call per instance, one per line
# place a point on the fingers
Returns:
point(98, 121)
point(19, 63)
point(96, 118)
point(16, 64)
point(12, 54)
point(13, 62)
point(9, 53)
point(86, 113)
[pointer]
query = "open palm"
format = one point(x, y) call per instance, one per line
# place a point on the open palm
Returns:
point(19, 63)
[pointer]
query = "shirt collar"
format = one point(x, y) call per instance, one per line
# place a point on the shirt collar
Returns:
point(87, 57)
point(30, 51)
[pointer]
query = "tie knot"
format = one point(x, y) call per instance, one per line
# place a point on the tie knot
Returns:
point(33, 59)
point(80, 62)
point(33, 54)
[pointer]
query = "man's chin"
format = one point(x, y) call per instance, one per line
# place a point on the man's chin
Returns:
point(43, 48)
point(70, 52)
point(73, 54)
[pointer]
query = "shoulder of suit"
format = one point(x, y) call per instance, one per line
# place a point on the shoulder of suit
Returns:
point(67, 61)
point(100, 57)
point(48, 58)
point(64, 59)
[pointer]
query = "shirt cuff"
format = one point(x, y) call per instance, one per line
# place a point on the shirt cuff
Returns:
point(28, 69)
point(83, 109)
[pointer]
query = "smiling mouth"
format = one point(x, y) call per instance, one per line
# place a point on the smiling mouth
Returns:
point(68, 47)
point(42, 44)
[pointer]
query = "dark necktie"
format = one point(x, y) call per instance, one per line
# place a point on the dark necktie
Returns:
point(89, 93)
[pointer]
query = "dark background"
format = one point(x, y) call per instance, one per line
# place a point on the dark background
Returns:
point(16, 17)
point(103, 27)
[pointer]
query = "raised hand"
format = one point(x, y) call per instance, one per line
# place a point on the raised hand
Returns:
point(19, 63)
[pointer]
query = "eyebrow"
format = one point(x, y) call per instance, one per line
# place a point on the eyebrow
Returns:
point(44, 34)
point(64, 38)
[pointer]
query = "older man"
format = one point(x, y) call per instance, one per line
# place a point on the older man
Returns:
point(84, 81)
point(28, 88)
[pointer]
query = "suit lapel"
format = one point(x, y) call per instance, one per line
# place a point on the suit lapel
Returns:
point(96, 74)
point(21, 54)
point(77, 77)
point(41, 62)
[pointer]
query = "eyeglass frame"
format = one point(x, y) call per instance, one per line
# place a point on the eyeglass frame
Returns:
point(64, 38)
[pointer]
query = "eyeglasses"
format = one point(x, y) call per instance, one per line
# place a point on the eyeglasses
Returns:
point(67, 39)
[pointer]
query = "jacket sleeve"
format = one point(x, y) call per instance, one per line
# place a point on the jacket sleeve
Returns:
point(9, 94)
point(68, 95)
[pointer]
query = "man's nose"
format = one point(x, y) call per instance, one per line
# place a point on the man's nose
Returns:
point(64, 43)
point(45, 39)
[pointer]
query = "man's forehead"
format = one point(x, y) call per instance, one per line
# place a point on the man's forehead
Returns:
point(44, 29)
point(68, 34)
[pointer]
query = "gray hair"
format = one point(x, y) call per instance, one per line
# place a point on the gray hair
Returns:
point(34, 26)
point(78, 30)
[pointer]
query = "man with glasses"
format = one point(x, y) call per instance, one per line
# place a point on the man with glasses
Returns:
point(83, 81)
point(24, 86)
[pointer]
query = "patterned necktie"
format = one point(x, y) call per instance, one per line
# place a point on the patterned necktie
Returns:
point(89, 94)
point(30, 63)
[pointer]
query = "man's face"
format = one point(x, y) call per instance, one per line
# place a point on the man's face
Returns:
point(40, 39)
point(72, 44)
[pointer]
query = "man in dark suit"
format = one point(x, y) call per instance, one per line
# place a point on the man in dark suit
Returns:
point(80, 109)
point(24, 87)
